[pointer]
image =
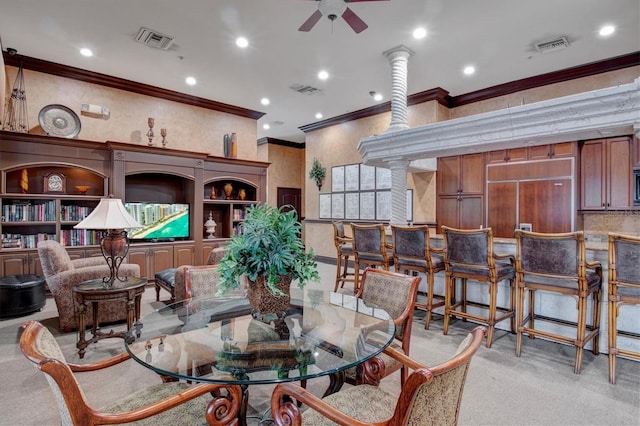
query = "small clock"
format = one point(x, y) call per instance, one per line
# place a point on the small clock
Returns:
point(55, 182)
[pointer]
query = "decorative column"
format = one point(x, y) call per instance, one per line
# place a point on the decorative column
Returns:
point(398, 58)
point(398, 191)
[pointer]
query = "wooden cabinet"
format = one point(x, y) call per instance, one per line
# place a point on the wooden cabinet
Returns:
point(636, 152)
point(606, 174)
point(152, 258)
point(183, 254)
point(557, 150)
point(507, 155)
point(461, 191)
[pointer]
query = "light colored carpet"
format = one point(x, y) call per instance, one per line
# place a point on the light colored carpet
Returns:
point(539, 388)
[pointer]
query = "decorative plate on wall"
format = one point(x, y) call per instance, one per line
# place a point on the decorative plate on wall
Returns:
point(58, 120)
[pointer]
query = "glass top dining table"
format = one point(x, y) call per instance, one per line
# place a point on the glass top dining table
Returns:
point(217, 340)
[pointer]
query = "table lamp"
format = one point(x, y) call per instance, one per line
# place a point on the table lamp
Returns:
point(111, 217)
point(210, 226)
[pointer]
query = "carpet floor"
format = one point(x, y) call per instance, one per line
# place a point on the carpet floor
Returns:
point(538, 388)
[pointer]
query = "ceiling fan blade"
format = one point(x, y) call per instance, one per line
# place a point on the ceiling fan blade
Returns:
point(354, 21)
point(309, 23)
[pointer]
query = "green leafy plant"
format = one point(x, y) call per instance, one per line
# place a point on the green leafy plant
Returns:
point(317, 172)
point(270, 245)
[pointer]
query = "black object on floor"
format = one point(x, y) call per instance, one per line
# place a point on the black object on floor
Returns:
point(21, 295)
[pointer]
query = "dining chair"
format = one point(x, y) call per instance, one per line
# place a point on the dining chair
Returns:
point(396, 294)
point(430, 396)
point(412, 252)
point(624, 289)
point(469, 255)
point(557, 263)
point(370, 248)
point(344, 252)
point(161, 404)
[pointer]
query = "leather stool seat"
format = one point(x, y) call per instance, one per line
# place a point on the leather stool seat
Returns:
point(21, 294)
point(166, 279)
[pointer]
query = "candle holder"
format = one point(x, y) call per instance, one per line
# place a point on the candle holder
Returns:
point(150, 134)
point(163, 133)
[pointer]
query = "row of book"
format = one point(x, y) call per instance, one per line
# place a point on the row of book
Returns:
point(43, 212)
point(25, 241)
point(70, 238)
point(80, 237)
point(30, 212)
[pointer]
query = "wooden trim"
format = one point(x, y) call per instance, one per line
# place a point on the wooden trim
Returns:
point(66, 71)
point(443, 98)
point(281, 142)
point(593, 68)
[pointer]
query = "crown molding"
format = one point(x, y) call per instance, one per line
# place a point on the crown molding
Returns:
point(79, 74)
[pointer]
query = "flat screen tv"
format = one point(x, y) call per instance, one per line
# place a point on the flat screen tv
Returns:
point(161, 221)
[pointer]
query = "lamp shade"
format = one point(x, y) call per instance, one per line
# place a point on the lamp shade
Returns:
point(109, 214)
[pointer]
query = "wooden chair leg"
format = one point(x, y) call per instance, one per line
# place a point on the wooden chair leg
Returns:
point(613, 334)
point(427, 320)
point(449, 284)
point(493, 306)
point(520, 314)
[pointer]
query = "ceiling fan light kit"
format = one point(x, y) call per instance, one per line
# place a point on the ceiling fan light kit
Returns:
point(332, 9)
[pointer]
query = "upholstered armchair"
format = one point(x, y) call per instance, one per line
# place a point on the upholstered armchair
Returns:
point(62, 274)
point(175, 402)
point(396, 294)
point(430, 396)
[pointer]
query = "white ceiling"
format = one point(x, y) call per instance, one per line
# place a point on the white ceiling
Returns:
point(496, 36)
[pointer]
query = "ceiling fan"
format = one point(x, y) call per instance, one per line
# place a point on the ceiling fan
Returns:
point(332, 9)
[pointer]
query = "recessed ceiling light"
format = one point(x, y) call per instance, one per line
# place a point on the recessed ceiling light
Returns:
point(242, 42)
point(468, 70)
point(86, 52)
point(607, 30)
point(266, 126)
point(419, 33)
point(264, 101)
point(377, 96)
point(191, 81)
point(323, 75)
point(319, 115)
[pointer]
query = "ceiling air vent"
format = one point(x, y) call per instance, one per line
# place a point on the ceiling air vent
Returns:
point(305, 89)
point(154, 38)
point(552, 45)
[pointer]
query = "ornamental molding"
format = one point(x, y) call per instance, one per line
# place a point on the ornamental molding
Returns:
point(607, 112)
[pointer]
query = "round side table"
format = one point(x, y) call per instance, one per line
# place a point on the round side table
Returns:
point(94, 291)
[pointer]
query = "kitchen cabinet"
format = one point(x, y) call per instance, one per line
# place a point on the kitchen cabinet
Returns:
point(606, 174)
point(556, 150)
point(507, 155)
point(460, 182)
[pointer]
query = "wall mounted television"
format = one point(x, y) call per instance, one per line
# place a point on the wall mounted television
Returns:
point(161, 221)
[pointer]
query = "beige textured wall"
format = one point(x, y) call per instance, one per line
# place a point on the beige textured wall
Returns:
point(286, 170)
point(189, 128)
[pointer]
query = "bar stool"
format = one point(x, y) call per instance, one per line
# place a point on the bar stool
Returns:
point(344, 251)
point(412, 252)
point(370, 248)
point(557, 263)
point(468, 254)
point(624, 289)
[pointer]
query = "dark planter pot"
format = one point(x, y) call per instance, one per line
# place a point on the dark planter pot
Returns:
point(265, 304)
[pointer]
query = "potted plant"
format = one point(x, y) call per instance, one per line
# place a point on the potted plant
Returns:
point(317, 173)
point(270, 253)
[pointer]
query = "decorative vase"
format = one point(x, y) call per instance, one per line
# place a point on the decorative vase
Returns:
point(234, 148)
point(212, 194)
point(265, 305)
point(242, 194)
point(24, 181)
point(227, 145)
point(228, 190)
